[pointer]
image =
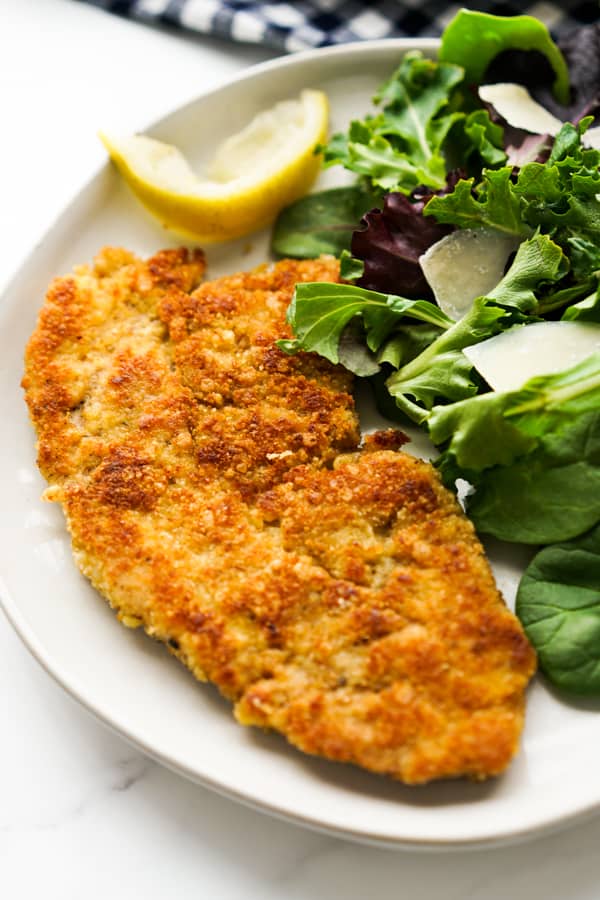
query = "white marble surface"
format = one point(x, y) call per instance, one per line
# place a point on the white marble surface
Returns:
point(82, 814)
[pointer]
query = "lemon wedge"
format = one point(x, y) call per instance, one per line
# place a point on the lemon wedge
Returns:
point(253, 175)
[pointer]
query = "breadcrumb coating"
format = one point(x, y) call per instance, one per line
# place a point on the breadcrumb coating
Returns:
point(217, 494)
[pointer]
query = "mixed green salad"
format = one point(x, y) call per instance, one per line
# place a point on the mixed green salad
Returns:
point(439, 166)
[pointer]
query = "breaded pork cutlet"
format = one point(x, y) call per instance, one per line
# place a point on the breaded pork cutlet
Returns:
point(216, 495)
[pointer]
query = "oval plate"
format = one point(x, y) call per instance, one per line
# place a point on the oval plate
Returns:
point(131, 683)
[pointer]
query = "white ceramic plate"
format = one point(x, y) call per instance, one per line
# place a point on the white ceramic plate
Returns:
point(133, 684)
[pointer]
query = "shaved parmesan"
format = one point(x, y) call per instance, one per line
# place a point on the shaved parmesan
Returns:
point(508, 360)
point(464, 265)
point(516, 105)
point(591, 138)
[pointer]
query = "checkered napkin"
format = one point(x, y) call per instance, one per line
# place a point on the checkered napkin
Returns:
point(317, 23)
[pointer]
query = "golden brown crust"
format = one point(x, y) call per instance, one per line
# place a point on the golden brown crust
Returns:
point(215, 492)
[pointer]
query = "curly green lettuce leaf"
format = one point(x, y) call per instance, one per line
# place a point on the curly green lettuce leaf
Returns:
point(539, 262)
point(585, 257)
point(485, 138)
point(401, 147)
point(492, 203)
point(477, 434)
point(558, 197)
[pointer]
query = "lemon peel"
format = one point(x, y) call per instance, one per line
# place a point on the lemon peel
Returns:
point(253, 175)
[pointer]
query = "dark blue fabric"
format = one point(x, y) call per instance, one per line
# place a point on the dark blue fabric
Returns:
point(317, 23)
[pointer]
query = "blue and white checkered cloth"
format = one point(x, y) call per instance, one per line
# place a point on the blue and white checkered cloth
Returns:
point(318, 23)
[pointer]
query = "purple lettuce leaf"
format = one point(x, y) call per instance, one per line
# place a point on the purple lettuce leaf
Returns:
point(391, 240)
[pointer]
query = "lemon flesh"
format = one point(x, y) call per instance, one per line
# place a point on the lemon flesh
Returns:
point(253, 175)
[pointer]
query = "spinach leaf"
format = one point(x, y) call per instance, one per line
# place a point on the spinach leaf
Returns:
point(321, 223)
point(550, 495)
point(474, 39)
point(558, 602)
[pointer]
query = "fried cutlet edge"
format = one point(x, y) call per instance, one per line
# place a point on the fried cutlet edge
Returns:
point(162, 278)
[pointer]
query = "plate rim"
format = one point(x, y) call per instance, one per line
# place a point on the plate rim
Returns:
point(54, 668)
point(382, 840)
